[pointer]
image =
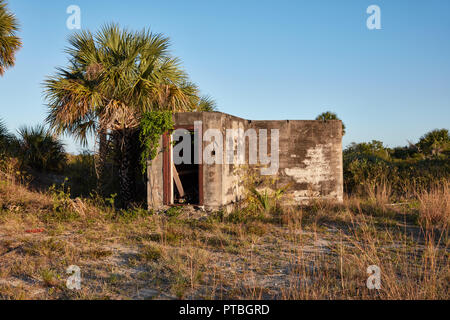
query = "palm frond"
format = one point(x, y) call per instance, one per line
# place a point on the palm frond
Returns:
point(207, 104)
point(113, 77)
point(9, 41)
point(40, 150)
point(328, 115)
point(5, 138)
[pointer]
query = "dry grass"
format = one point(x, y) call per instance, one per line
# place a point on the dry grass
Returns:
point(316, 252)
point(435, 206)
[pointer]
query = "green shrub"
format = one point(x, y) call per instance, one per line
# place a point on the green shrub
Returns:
point(80, 170)
point(174, 212)
point(129, 215)
point(434, 143)
point(403, 170)
point(63, 209)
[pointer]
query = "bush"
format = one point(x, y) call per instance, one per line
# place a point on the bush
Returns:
point(7, 141)
point(403, 170)
point(80, 171)
point(434, 143)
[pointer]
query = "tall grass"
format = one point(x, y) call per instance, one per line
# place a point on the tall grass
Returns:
point(435, 205)
point(319, 251)
point(412, 266)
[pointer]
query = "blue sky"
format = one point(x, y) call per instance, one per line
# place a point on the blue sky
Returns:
point(268, 59)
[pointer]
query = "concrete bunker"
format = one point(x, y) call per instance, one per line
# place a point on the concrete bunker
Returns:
point(204, 161)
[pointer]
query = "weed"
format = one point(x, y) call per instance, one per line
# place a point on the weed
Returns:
point(173, 212)
point(49, 277)
point(150, 253)
point(63, 208)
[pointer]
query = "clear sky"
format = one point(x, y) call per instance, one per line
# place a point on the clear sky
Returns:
point(268, 59)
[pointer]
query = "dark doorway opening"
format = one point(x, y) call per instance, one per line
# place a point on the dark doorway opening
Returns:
point(183, 183)
point(186, 178)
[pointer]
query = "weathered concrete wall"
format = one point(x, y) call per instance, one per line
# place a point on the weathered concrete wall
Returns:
point(212, 173)
point(155, 184)
point(310, 160)
point(215, 182)
point(232, 173)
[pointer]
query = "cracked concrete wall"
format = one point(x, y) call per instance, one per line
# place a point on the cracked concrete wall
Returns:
point(155, 181)
point(310, 158)
point(213, 174)
point(232, 173)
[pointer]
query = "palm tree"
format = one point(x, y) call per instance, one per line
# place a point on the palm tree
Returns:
point(40, 150)
point(5, 138)
point(205, 104)
point(113, 77)
point(330, 116)
point(9, 42)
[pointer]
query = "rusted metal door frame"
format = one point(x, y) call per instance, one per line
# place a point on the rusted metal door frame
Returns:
point(167, 162)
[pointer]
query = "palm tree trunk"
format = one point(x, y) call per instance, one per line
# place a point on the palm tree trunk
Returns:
point(127, 168)
point(101, 159)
